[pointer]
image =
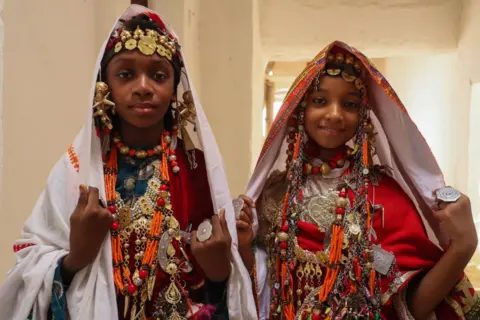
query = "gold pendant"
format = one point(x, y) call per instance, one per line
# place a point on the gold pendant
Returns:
point(150, 285)
point(144, 296)
point(136, 279)
point(176, 316)
point(318, 271)
point(142, 316)
point(124, 217)
point(170, 250)
point(154, 184)
point(146, 206)
point(173, 295)
point(173, 223)
point(133, 312)
point(163, 194)
point(127, 304)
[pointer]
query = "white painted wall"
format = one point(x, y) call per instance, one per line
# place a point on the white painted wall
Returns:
point(232, 82)
point(184, 17)
point(437, 96)
point(474, 152)
point(469, 44)
point(295, 29)
point(469, 52)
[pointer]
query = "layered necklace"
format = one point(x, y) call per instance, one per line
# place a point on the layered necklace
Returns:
point(349, 287)
point(143, 225)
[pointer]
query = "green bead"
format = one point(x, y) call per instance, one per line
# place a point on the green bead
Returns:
point(377, 316)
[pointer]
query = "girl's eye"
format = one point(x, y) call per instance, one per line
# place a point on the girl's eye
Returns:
point(352, 104)
point(159, 76)
point(125, 74)
point(320, 101)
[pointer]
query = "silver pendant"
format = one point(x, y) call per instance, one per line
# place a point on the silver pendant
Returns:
point(448, 194)
point(238, 207)
point(382, 260)
point(204, 231)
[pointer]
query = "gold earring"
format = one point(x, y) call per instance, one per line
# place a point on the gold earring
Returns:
point(101, 105)
point(186, 110)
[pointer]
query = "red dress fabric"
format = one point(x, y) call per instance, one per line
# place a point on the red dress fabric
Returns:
point(403, 234)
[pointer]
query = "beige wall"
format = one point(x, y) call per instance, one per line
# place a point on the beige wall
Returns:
point(437, 95)
point(50, 51)
point(223, 49)
point(230, 71)
point(468, 44)
point(1, 96)
point(474, 152)
point(184, 16)
point(296, 29)
point(469, 51)
point(44, 86)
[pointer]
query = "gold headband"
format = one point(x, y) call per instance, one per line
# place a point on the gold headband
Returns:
point(147, 42)
point(347, 66)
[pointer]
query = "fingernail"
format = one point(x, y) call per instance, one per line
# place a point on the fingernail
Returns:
point(83, 188)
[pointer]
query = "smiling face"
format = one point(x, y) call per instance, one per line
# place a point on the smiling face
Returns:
point(333, 112)
point(142, 88)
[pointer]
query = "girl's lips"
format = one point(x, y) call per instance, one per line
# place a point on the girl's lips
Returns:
point(329, 131)
point(143, 108)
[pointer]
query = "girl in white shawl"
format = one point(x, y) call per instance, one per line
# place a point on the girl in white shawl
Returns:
point(111, 235)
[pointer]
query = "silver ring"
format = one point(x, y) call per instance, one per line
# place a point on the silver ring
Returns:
point(238, 207)
point(448, 195)
point(204, 231)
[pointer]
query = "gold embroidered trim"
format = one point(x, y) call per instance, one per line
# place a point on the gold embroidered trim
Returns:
point(397, 284)
point(468, 300)
point(474, 312)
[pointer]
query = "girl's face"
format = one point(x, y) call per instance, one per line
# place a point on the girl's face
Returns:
point(142, 88)
point(333, 112)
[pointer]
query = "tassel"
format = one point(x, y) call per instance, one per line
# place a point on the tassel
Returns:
point(372, 281)
point(369, 218)
point(334, 258)
point(365, 152)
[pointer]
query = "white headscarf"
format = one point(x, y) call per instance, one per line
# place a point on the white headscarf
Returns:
point(399, 145)
point(92, 295)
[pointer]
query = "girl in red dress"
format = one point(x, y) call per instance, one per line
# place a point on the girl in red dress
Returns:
point(352, 218)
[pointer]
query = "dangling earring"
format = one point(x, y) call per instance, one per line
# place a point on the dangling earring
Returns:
point(102, 105)
point(103, 122)
point(186, 110)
